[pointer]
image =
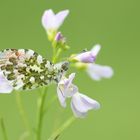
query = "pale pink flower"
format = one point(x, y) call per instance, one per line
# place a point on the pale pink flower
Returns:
point(80, 103)
point(88, 56)
point(51, 22)
point(97, 72)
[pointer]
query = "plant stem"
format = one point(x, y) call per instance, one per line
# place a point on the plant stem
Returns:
point(23, 114)
point(3, 129)
point(58, 54)
point(64, 126)
point(54, 55)
point(40, 113)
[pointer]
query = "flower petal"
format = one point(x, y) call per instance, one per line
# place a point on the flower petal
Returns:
point(77, 113)
point(95, 50)
point(61, 96)
point(67, 88)
point(97, 72)
point(60, 17)
point(81, 104)
point(71, 90)
point(85, 57)
point(5, 87)
point(63, 93)
point(68, 81)
point(48, 19)
point(89, 56)
point(89, 103)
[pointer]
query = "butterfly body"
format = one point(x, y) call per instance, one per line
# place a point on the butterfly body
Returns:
point(26, 69)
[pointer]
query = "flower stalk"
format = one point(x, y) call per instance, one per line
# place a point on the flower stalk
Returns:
point(56, 55)
point(40, 113)
point(63, 127)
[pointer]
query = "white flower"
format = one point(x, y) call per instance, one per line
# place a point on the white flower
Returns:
point(66, 89)
point(89, 56)
point(97, 72)
point(5, 87)
point(51, 22)
point(80, 103)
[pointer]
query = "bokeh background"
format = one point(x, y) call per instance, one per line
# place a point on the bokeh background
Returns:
point(113, 24)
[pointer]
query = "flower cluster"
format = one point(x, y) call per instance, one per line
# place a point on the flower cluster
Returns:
point(24, 69)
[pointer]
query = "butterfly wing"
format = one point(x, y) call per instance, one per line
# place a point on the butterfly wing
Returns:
point(26, 69)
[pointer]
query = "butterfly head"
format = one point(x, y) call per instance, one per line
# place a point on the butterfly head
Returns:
point(65, 66)
point(62, 67)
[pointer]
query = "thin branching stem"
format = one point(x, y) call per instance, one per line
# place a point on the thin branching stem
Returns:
point(40, 113)
point(63, 127)
point(3, 129)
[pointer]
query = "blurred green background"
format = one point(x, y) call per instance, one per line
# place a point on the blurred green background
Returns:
point(113, 24)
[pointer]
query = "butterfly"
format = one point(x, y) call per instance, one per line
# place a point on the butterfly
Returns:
point(26, 69)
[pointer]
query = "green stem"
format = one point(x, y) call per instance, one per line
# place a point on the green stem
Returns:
point(23, 114)
point(58, 132)
point(3, 129)
point(54, 55)
point(58, 53)
point(40, 113)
